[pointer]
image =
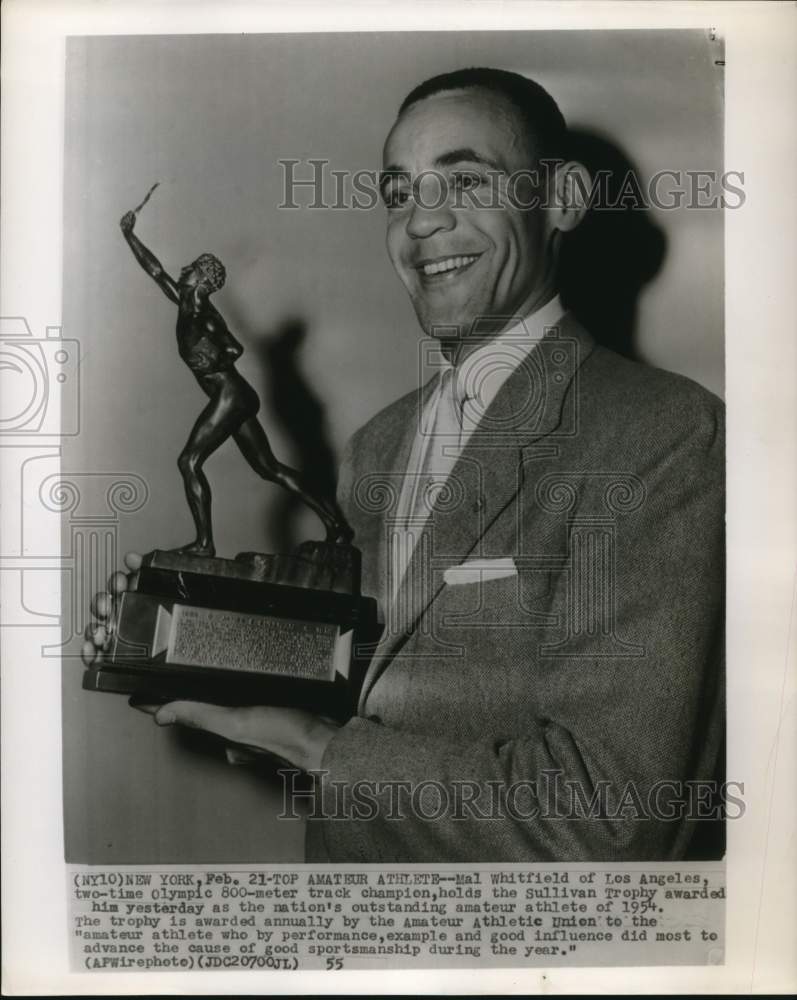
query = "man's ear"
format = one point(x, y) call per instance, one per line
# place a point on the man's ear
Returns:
point(570, 195)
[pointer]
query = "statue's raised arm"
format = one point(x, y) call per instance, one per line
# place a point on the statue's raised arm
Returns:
point(144, 256)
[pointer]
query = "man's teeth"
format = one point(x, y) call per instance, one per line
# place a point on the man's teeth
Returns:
point(438, 266)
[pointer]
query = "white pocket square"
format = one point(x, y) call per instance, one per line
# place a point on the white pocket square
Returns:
point(479, 571)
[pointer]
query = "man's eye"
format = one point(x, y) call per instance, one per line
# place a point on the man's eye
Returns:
point(395, 197)
point(466, 180)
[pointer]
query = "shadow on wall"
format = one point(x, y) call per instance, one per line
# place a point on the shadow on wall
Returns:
point(291, 400)
point(606, 262)
point(302, 415)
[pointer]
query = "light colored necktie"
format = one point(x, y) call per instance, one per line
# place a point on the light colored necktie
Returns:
point(440, 456)
point(444, 446)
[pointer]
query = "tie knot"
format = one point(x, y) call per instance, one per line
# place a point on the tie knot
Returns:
point(460, 398)
point(449, 407)
point(452, 385)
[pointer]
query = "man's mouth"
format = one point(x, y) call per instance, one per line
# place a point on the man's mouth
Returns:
point(446, 265)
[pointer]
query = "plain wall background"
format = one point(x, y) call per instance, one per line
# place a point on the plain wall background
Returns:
point(209, 117)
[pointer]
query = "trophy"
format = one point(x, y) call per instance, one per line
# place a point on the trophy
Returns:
point(284, 629)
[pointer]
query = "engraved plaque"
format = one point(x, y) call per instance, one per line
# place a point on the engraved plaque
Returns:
point(210, 638)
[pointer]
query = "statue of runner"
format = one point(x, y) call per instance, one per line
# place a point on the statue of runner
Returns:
point(210, 351)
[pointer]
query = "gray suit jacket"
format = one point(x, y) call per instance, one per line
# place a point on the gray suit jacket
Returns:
point(535, 716)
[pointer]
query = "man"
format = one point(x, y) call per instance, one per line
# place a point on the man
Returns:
point(542, 524)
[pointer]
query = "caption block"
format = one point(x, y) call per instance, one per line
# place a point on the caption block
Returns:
point(268, 918)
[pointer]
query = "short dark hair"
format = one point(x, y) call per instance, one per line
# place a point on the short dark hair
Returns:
point(538, 110)
point(210, 270)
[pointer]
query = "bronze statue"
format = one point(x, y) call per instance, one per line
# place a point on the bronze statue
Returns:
point(210, 351)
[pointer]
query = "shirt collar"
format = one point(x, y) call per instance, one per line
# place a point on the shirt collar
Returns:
point(483, 372)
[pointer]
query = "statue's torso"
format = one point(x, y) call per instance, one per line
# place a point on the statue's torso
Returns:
point(203, 340)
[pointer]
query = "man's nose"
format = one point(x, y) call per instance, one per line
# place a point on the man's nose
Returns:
point(430, 212)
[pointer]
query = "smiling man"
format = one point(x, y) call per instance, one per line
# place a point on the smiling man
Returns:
point(457, 163)
point(542, 524)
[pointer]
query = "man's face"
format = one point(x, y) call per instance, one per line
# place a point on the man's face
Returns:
point(460, 260)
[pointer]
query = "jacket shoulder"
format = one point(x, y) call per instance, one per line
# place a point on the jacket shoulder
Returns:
point(639, 398)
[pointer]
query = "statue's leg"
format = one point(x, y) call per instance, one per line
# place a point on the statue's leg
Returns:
point(215, 424)
point(251, 439)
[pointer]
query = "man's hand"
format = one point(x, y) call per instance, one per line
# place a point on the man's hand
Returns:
point(297, 736)
point(103, 606)
point(127, 222)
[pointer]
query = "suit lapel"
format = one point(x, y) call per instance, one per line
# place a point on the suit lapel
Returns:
point(379, 472)
point(538, 398)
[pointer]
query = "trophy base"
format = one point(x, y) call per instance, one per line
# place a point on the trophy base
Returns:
point(259, 629)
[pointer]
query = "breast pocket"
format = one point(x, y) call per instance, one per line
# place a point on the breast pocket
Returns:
point(519, 600)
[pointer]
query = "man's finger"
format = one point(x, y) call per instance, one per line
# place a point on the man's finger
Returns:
point(88, 652)
point(102, 605)
point(222, 722)
point(143, 706)
point(117, 583)
point(229, 723)
point(133, 561)
point(99, 636)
